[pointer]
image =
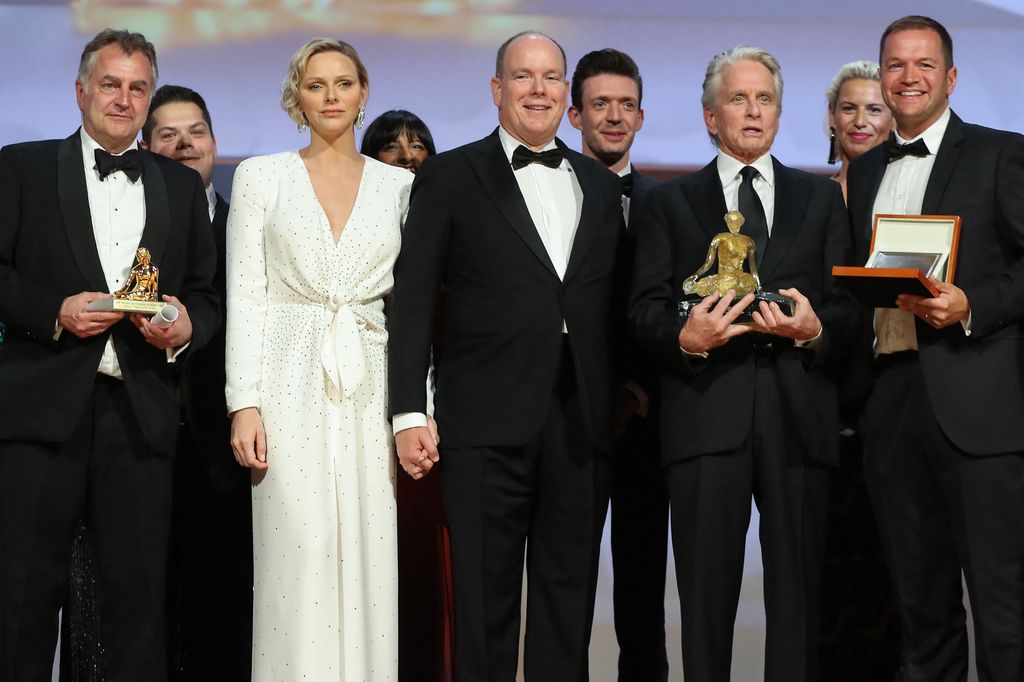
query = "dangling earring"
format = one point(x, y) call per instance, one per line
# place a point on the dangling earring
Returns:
point(831, 145)
point(302, 126)
point(360, 117)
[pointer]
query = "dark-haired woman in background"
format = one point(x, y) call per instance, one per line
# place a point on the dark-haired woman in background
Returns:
point(425, 617)
point(859, 624)
point(398, 138)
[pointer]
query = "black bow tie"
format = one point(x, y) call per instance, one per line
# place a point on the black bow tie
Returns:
point(130, 163)
point(895, 150)
point(522, 157)
point(627, 184)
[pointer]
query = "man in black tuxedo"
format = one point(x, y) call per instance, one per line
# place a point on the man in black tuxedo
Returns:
point(88, 404)
point(523, 234)
point(746, 414)
point(607, 92)
point(209, 578)
point(943, 434)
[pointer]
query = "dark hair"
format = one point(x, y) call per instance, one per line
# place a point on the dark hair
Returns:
point(608, 60)
point(499, 61)
point(129, 42)
point(915, 22)
point(391, 125)
point(170, 94)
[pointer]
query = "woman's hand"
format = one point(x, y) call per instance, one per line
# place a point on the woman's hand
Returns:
point(248, 438)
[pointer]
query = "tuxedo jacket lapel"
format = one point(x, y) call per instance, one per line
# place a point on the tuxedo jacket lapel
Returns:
point(158, 211)
point(495, 173)
point(945, 162)
point(707, 199)
point(74, 208)
point(791, 198)
point(586, 230)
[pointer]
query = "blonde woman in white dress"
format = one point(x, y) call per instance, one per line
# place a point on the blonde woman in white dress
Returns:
point(312, 238)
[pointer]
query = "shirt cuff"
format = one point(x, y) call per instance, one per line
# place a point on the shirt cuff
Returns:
point(693, 355)
point(57, 329)
point(966, 324)
point(407, 420)
point(811, 343)
point(173, 353)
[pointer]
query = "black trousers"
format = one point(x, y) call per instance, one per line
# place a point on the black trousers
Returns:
point(544, 502)
point(941, 510)
point(710, 501)
point(209, 579)
point(639, 540)
point(107, 473)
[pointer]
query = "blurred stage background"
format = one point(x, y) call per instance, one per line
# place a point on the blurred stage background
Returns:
point(435, 58)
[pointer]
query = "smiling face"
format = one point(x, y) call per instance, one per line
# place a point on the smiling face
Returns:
point(745, 115)
point(609, 118)
point(115, 100)
point(180, 132)
point(860, 118)
point(916, 81)
point(532, 90)
point(330, 94)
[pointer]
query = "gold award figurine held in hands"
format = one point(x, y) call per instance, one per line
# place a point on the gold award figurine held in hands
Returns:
point(141, 284)
point(732, 250)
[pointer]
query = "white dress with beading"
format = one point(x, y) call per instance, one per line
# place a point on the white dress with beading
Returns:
point(306, 344)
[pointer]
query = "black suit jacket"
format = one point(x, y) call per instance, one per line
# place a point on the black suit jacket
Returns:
point(635, 365)
point(48, 252)
point(470, 231)
point(976, 383)
point(707, 403)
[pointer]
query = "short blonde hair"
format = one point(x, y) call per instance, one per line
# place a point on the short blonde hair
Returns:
point(864, 68)
point(297, 67)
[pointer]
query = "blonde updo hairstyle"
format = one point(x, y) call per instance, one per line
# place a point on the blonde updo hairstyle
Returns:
point(297, 68)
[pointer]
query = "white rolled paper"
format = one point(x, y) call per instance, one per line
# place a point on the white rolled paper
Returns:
point(165, 317)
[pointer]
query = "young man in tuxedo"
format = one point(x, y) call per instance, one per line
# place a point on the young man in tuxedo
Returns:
point(943, 435)
point(748, 411)
point(209, 577)
point(88, 401)
point(607, 93)
point(523, 234)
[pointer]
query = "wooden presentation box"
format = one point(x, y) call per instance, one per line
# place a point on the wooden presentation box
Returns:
point(905, 251)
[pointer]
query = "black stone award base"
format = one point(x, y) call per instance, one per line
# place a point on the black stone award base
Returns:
point(690, 301)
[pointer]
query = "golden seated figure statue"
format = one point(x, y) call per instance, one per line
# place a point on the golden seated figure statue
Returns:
point(731, 249)
point(141, 284)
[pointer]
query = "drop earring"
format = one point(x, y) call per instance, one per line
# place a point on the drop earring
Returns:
point(831, 145)
point(360, 117)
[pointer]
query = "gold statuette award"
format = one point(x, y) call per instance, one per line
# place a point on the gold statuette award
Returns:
point(139, 293)
point(732, 250)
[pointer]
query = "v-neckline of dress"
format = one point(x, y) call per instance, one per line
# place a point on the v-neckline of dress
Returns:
point(320, 207)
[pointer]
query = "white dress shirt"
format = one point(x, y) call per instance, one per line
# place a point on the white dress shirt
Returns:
point(211, 199)
point(902, 192)
point(117, 208)
point(626, 170)
point(764, 184)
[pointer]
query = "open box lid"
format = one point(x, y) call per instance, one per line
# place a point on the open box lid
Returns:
point(905, 250)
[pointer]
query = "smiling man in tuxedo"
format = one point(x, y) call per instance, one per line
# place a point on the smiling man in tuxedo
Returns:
point(523, 234)
point(88, 404)
point(607, 93)
point(746, 415)
point(943, 434)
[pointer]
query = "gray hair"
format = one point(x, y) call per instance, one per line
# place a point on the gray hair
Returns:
point(863, 68)
point(722, 60)
point(129, 42)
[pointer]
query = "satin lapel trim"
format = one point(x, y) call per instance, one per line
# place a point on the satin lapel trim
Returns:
point(496, 176)
point(590, 217)
point(945, 162)
point(791, 199)
point(707, 199)
point(74, 208)
point(158, 210)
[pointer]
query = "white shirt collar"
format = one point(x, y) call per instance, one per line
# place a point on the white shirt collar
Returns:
point(509, 143)
point(932, 135)
point(729, 167)
point(89, 147)
point(211, 198)
point(627, 169)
